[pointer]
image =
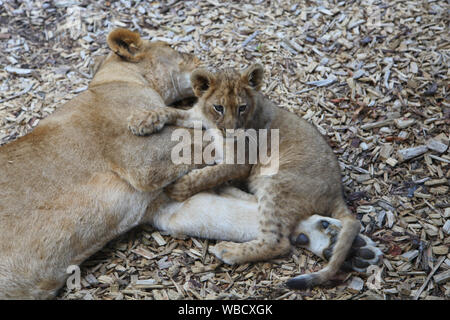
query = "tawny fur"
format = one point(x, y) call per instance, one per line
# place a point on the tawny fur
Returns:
point(308, 181)
point(81, 178)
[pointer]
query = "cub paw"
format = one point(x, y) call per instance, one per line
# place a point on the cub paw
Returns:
point(146, 122)
point(180, 190)
point(363, 254)
point(319, 234)
point(225, 251)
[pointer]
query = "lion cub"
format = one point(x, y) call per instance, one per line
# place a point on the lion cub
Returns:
point(308, 180)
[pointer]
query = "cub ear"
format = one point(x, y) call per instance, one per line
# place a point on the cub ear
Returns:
point(126, 44)
point(253, 76)
point(201, 81)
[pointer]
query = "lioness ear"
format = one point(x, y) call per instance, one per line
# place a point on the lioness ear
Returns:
point(201, 81)
point(253, 76)
point(126, 44)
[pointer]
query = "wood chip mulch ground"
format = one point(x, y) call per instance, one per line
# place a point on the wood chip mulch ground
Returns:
point(371, 75)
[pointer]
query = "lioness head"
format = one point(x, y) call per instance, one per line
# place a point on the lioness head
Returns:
point(131, 47)
point(227, 98)
point(155, 61)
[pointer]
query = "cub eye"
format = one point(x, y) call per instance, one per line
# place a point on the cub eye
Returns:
point(242, 108)
point(218, 108)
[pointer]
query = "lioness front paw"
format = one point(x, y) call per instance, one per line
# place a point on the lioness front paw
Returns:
point(319, 234)
point(145, 122)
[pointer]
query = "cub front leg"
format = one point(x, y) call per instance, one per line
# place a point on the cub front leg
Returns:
point(206, 178)
point(144, 122)
point(272, 240)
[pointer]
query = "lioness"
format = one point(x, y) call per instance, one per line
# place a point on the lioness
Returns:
point(308, 179)
point(81, 178)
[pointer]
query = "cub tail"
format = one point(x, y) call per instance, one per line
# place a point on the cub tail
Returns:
point(350, 229)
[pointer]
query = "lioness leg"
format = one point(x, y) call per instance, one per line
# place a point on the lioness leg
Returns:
point(233, 215)
point(212, 216)
point(100, 210)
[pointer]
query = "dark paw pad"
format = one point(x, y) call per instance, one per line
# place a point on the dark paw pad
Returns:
point(365, 253)
point(362, 254)
point(301, 240)
point(358, 242)
point(360, 263)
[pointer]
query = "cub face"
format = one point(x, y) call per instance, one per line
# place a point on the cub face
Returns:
point(226, 99)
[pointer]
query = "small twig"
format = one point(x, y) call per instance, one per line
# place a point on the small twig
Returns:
point(304, 90)
point(283, 296)
point(24, 91)
point(438, 158)
point(323, 105)
point(431, 206)
point(436, 267)
point(250, 38)
point(205, 250)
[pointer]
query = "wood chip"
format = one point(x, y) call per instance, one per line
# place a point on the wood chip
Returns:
point(105, 279)
point(18, 71)
point(378, 124)
point(158, 238)
point(447, 212)
point(436, 267)
point(446, 227)
point(145, 284)
point(410, 255)
point(406, 154)
point(323, 83)
point(386, 151)
point(356, 285)
point(442, 277)
point(403, 123)
point(440, 250)
point(437, 146)
point(435, 182)
point(144, 253)
point(392, 162)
